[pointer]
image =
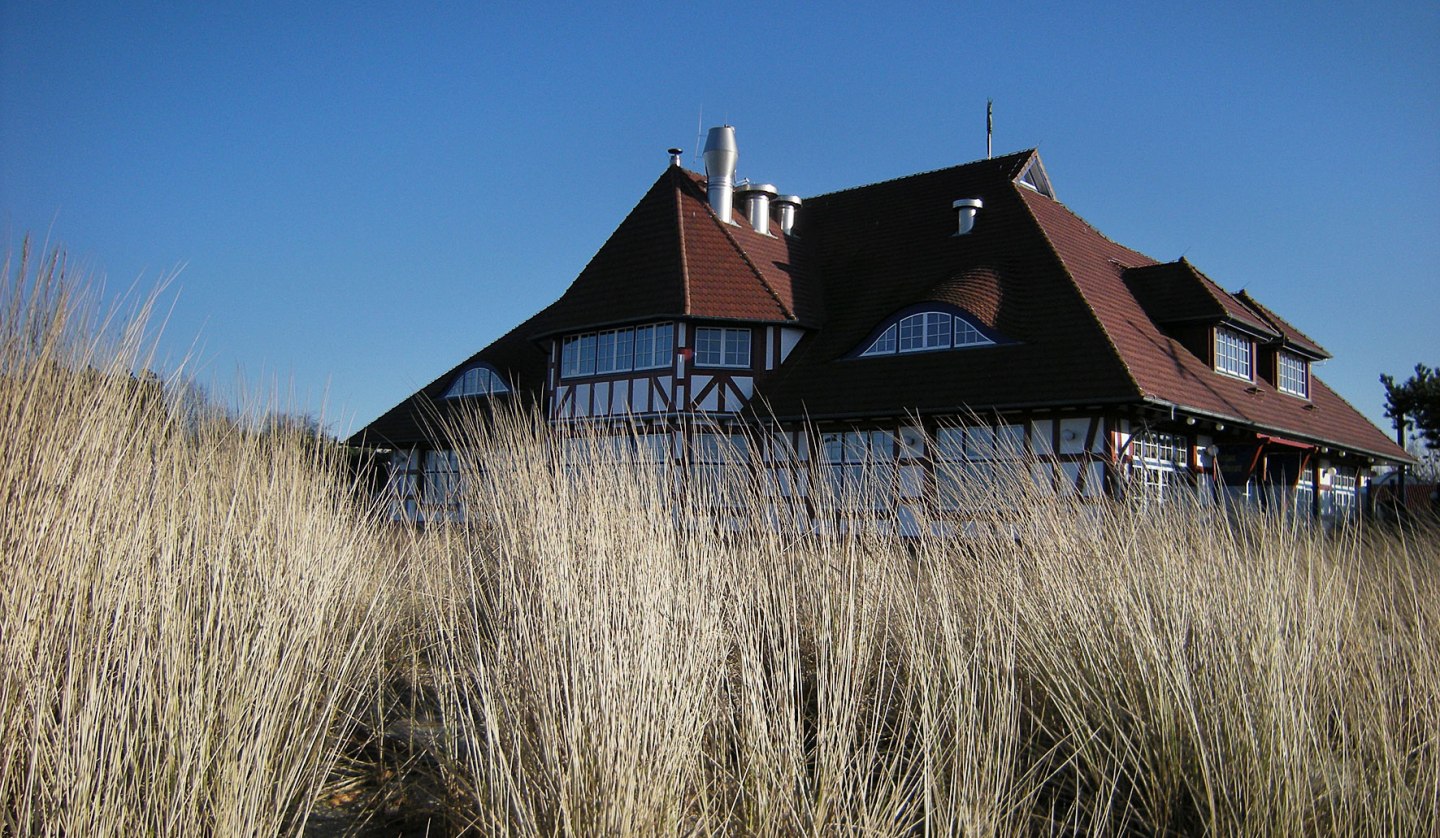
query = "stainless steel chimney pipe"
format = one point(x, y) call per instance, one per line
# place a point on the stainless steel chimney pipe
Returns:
point(720, 157)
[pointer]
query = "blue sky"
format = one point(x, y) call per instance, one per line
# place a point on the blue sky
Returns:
point(358, 198)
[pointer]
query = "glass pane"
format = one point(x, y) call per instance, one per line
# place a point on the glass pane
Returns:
point(737, 347)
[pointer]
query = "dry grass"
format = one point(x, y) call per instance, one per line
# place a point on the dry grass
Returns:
point(195, 617)
point(188, 609)
point(607, 667)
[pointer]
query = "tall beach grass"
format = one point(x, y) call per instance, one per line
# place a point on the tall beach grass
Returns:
point(198, 618)
point(610, 666)
point(189, 605)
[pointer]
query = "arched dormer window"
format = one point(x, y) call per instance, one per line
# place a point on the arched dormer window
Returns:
point(477, 381)
point(927, 331)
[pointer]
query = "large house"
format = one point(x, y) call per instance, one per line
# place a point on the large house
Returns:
point(903, 337)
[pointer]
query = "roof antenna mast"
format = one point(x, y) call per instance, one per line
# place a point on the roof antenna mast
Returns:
point(699, 132)
point(989, 126)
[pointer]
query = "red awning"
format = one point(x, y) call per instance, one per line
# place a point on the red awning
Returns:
point(1280, 440)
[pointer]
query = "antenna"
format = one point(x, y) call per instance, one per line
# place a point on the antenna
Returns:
point(699, 132)
point(989, 127)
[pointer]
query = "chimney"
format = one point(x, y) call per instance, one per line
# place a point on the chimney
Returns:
point(757, 205)
point(675, 155)
point(720, 157)
point(785, 206)
point(968, 207)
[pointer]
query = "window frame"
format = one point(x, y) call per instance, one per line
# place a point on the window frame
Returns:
point(1227, 362)
point(728, 337)
point(461, 386)
point(927, 330)
point(582, 355)
point(1287, 383)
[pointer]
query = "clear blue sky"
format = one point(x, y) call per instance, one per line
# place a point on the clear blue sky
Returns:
point(362, 197)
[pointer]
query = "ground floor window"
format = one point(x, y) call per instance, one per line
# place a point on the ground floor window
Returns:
point(441, 490)
point(402, 485)
point(972, 462)
point(860, 467)
point(1158, 468)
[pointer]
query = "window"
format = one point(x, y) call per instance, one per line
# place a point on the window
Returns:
point(618, 350)
point(441, 492)
point(1159, 464)
point(926, 331)
point(654, 346)
point(1293, 375)
point(476, 381)
point(975, 465)
point(719, 473)
point(1233, 352)
point(715, 347)
point(861, 467)
point(1035, 178)
point(403, 486)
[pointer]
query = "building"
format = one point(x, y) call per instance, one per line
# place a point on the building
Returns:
point(934, 324)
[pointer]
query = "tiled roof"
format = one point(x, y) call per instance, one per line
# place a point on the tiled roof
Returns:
point(672, 257)
point(1083, 320)
point(1041, 277)
point(1175, 292)
point(883, 248)
point(1169, 373)
point(1291, 336)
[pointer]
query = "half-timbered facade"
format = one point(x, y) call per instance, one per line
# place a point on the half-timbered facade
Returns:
point(905, 343)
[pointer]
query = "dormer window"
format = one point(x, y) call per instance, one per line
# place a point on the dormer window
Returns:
point(477, 381)
point(927, 331)
point(1234, 353)
point(1292, 374)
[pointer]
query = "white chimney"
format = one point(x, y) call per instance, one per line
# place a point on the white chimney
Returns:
point(720, 157)
point(757, 205)
point(785, 206)
point(968, 207)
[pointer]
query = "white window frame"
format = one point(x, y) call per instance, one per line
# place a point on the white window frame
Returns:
point(968, 460)
point(723, 347)
point(927, 331)
point(1159, 467)
point(583, 354)
point(477, 381)
point(1292, 374)
point(860, 466)
point(1234, 353)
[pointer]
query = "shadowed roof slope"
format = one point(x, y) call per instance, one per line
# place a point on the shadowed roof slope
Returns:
point(891, 245)
point(1175, 292)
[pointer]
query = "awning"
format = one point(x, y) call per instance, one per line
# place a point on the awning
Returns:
point(1280, 440)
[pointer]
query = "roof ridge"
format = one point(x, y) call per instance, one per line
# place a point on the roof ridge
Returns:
point(1070, 276)
point(680, 239)
point(754, 269)
point(1275, 320)
point(1025, 153)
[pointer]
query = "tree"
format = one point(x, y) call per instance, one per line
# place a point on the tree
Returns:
point(1415, 405)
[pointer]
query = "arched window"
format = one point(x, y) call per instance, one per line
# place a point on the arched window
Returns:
point(927, 331)
point(477, 381)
